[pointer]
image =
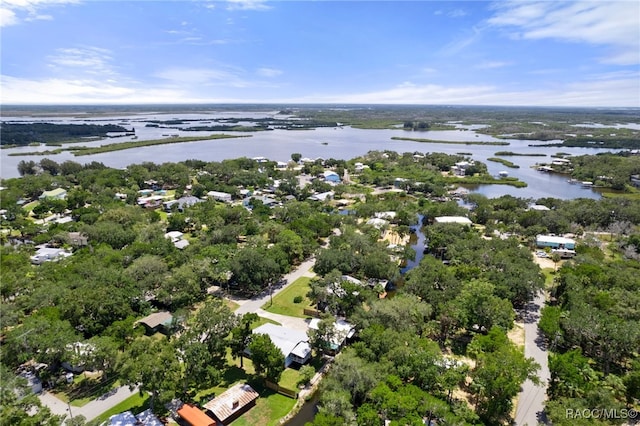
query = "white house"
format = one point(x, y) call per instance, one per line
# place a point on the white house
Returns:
point(48, 254)
point(454, 219)
point(343, 330)
point(294, 344)
point(220, 196)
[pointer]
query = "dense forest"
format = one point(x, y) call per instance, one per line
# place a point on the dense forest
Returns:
point(27, 133)
point(440, 346)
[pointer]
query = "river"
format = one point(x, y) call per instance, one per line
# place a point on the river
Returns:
point(335, 142)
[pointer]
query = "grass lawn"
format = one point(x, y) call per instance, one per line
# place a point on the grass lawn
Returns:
point(83, 390)
point(269, 409)
point(135, 403)
point(290, 378)
point(283, 302)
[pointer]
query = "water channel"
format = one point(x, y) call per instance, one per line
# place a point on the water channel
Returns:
point(335, 142)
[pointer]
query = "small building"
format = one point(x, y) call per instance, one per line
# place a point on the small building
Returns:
point(181, 203)
point(33, 382)
point(294, 344)
point(58, 194)
point(78, 239)
point(539, 207)
point(220, 196)
point(377, 222)
point(159, 322)
point(343, 331)
point(453, 219)
point(147, 418)
point(323, 196)
point(123, 419)
point(176, 239)
point(232, 403)
point(331, 176)
point(48, 254)
point(195, 416)
point(555, 242)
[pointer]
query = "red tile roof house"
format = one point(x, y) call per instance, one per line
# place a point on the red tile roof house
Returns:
point(232, 403)
point(195, 416)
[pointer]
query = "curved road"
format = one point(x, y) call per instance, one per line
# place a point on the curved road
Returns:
point(530, 408)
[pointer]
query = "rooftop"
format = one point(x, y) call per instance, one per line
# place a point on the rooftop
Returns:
point(156, 319)
point(231, 401)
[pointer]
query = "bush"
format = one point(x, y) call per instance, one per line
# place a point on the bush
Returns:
point(297, 299)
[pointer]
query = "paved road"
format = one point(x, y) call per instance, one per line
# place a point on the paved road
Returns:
point(530, 409)
point(255, 304)
point(92, 409)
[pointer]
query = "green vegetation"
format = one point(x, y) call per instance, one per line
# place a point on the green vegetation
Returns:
point(21, 134)
point(439, 342)
point(397, 138)
point(138, 144)
point(284, 302)
point(510, 153)
point(504, 162)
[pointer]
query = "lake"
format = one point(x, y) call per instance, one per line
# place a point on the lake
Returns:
point(335, 142)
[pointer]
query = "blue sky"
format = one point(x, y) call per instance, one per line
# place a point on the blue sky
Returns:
point(541, 53)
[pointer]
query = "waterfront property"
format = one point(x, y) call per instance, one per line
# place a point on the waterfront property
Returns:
point(294, 344)
point(232, 403)
point(454, 219)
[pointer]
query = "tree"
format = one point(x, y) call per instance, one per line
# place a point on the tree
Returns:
point(50, 166)
point(19, 405)
point(253, 270)
point(242, 336)
point(267, 358)
point(296, 157)
point(500, 370)
point(324, 337)
point(152, 365)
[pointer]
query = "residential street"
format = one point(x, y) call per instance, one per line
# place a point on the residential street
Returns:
point(92, 409)
point(255, 304)
point(530, 409)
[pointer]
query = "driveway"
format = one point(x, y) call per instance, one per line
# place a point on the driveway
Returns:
point(530, 408)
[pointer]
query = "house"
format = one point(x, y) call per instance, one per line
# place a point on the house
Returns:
point(377, 222)
point(220, 196)
point(58, 194)
point(195, 416)
point(555, 242)
point(176, 239)
point(158, 322)
point(454, 219)
point(539, 207)
point(323, 196)
point(80, 350)
point(123, 419)
point(343, 331)
point(48, 254)
point(78, 239)
point(331, 177)
point(232, 403)
point(294, 344)
point(33, 382)
point(181, 203)
point(147, 418)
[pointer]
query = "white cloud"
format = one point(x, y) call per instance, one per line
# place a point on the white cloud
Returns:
point(268, 72)
point(79, 61)
point(13, 12)
point(492, 65)
point(7, 17)
point(615, 24)
point(80, 91)
point(247, 5)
